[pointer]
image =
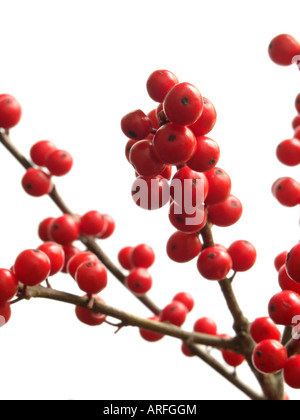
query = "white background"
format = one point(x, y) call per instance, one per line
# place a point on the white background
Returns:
point(77, 67)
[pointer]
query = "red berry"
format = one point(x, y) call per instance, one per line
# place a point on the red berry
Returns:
point(8, 285)
point(92, 223)
point(286, 283)
point(136, 125)
point(64, 230)
point(206, 155)
point(297, 103)
point(128, 147)
point(56, 255)
point(89, 317)
point(151, 336)
point(153, 117)
point(288, 152)
point(159, 83)
point(280, 260)
point(206, 326)
point(291, 372)
point(124, 257)
point(214, 263)
point(150, 193)
point(243, 255)
point(283, 307)
point(40, 151)
point(78, 259)
point(5, 313)
point(69, 251)
point(293, 263)
point(187, 220)
point(91, 277)
point(219, 186)
point(142, 256)
point(287, 191)
point(139, 281)
point(175, 313)
point(144, 159)
point(43, 228)
point(297, 133)
point(183, 104)
point(183, 247)
point(283, 48)
point(186, 351)
point(174, 144)
point(232, 359)
point(296, 122)
point(59, 162)
point(269, 356)
point(207, 120)
point(36, 182)
point(167, 172)
point(185, 298)
point(32, 267)
point(10, 111)
point(110, 227)
point(227, 213)
point(264, 329)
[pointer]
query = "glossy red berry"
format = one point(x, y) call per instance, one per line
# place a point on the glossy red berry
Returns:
point(56, 256)
point(40, 151)
point(297, 103)
point(43, 229)
point(91, 277)
point(207, 120)
point(159, 83)
point(92, 223)
point(174, 144)
point(144, 159)
point(175, 313)
point(296, 122)
point(59, 162)
point(286, 283)
point(183, 247)
point(36, 182)
point(206, 155)
point(78, 259)
point(8, 285)
point(154, 119)
point(293, 263)
point(283, 307)
point(64, 230)
point(264, 329)
point(291, 372)
point(69, 252)
point(206, 326)
point(288, 152)
point(227, 213)
point(136, 125)
point(89, 317)
point(142, 256)
point(287, 191)
point(151, 336)
point(128, 147)
point(139, 281)
point(283, 48)
point(183, 104)
point(10, 111)
point(219, 186)
point(232, 359)
point(167, 172)
point(214, 263)
point(110, 227)
point(5, 313)
point(124, 257)
point(32, 267)
point(186, 351)
point(150, 193)
point(280, 259)
point(297, 133)
point(269, 356)
point(243, 255)
point(185, 298)
point(187, 220)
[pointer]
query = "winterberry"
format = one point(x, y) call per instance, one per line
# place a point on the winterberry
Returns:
point(269, 356)
point(136, 125)
point(124, 257)
point(59, 162)
point(287, 191)
point(5, 313)
point(151, 336)
point(186, 351)
point(293, 263)
point(280, 259)
point(264, 329)
point(283, 48)
point(139, 281)
point(185, 298)
point(297, 103)
point(78, 259)
point(219, 186)
point(69, 252)
point(232, 359)
point(43, 229)
point(187, 220)
point(288, 152)
point(207, 120)
point(206, 326)
point(91, 277)
point(227, 213)
point(283, 307)
point(40, 151)
point(206, 155)
point(296, 122)
point(32, 267)
point(142, 256)
point(214, 263)
point(243, 255)
point(56, 255)
point(64, 230)
point(286, 283)
point(175, 313)
point(144, 159)
point(159, 83)
point(10, 111)
point(36, 182)
point(89, 317)
point(150, 193)
point(291, 372)
point(183, 247)
point(8, 285)
point(92, 223)
point(110, 227)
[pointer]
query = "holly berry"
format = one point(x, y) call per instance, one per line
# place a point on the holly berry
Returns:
point(139, 281)
point(144, 159)
point(32, 267)
point(8, 285)
point(183, 247)
point(150, 193)
point(283, 48)
point(214, 263)
point(89, 317)
point(280, 259)
point(286, 283)
point(293, 263)
point(269, 356)
point(154, 120)
point(59, 162)
point(142, 256)
point(264, 329)
point(43, 229)
point(185, 298)
point(243, 255)
point(287, 191)
point(206, 326)
point(136, 125)
point(91, 277)
point(5, 313)
point(151, 336)
point(124, 257)
point(206, 154)
point(175, 313)
point(110, 227)
point(40, 151)
point(36, 182)
point(174, 144)
point(159, 83)
point(232, 359)
point(69, 252)
point(291, 372)
point(187, 220)
point(92, 223)
point(219, 186)
point(183, 104)
point(283, 307)
point(64, 230)
point(227, 213)
point(207, 120)
point(56, 255)
point(288, 152)
point(10, 111)
point(78, 259)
